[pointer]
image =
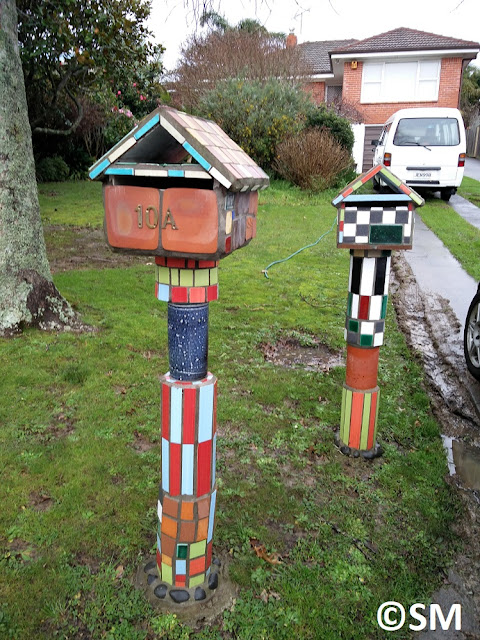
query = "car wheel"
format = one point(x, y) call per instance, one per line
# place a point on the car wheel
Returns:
point(446, 194)
point(471, 337)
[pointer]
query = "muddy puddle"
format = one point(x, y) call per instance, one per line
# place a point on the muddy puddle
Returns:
point(463, 462)
point(290, 353)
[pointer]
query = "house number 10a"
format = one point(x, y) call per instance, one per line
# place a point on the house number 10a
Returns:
point(151, 218)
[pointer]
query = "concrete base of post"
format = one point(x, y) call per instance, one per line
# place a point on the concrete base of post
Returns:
point(369, 454)
point(204, 602)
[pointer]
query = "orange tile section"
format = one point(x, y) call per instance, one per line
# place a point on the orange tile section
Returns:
point(187, 510)
point(194, 214)
point(202, 529)
point(356, 420)
point(169, 527)
point(197, 565)
point(362, 367)
point(126, 208)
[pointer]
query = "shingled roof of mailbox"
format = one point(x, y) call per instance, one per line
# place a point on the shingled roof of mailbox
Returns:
point(162, 140)
point(399, 188)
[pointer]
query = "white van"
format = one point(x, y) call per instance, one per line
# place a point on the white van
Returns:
point(425, 148)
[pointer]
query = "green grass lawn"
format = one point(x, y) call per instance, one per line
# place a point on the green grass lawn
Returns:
point(80, 455)
point(470, 190)
point(459, 236)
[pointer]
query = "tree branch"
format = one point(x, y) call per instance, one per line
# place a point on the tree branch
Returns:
point(64, 132)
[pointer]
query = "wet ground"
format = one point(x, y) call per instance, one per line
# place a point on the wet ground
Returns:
point(435, 334)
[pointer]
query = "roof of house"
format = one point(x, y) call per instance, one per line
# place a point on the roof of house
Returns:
point(404, 39)
point(165, 138)
point(318, 54)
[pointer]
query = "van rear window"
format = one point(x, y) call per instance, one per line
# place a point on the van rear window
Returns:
point(431, 132)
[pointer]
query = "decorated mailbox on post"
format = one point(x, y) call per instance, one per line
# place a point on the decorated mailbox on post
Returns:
point(371, 226)
point(177, 187)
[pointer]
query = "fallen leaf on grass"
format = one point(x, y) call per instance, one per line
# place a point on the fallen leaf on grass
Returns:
point(119, 571)
point(265, 596)
point(261, 552)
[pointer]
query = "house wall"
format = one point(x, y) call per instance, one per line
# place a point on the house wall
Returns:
point(377, 113)
point(317, 90)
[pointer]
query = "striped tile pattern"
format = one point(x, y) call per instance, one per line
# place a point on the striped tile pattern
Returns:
point(375, 226)
point(367, 298)
point(186, 507)
point(186, 285)
point(358, 421)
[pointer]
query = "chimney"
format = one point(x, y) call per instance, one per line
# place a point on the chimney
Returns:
point(291, 40)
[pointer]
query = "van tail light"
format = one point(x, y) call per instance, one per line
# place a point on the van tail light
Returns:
point(387, 159)
point(461, 160)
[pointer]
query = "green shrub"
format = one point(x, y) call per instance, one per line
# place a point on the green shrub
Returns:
point(53, 169)
point(258, 115)
point(322, 116)
point(312, 159)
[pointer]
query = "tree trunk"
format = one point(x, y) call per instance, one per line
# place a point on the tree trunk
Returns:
point(27, 293)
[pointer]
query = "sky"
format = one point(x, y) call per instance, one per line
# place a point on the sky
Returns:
point(173, 21)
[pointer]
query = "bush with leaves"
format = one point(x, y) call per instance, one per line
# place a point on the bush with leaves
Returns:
point(324, 117)
point(53, 169)
point(256, 114)
point(312, 159)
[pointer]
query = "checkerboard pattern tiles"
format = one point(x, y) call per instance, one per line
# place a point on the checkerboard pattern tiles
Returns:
point(367, 298)
point(375, 226)
point(359, 417)
point(186, 507)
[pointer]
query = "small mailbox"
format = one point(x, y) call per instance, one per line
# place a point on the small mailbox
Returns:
point(376, 221)
point(177, 186)
point(370, 225)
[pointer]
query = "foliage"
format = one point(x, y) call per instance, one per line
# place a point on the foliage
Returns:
point(470, 95)
point(244, 52)
point(71, 49)
point(52, 169)
point(322, 116)
point(312, 159)
point(81, 61)
point(256, 114)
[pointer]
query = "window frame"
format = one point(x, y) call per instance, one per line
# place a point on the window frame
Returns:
point(383, 97)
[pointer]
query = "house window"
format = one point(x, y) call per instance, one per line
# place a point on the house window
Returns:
point(409, 81)
point(333, 93)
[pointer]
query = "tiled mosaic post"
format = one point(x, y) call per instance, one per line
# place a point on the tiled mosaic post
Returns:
point(188, 216)
point(186, 506)
point(370, 225)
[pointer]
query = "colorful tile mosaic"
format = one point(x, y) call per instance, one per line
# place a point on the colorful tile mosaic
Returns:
point(169, 136)
point(184, 551)
point(397, 186)
point(371, 225)
point(186, 285)
point(359, 417)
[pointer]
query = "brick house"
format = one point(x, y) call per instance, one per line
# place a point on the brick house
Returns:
point(384, 73)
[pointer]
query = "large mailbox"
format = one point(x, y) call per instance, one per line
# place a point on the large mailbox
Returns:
point(178, 186)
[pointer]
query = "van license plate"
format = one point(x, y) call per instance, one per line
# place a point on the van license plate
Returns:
point(423, 174)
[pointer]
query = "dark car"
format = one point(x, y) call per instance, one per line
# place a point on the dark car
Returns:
point(471, 336)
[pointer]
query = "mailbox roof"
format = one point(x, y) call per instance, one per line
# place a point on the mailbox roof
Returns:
point(399, 188)
point(166, 137)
